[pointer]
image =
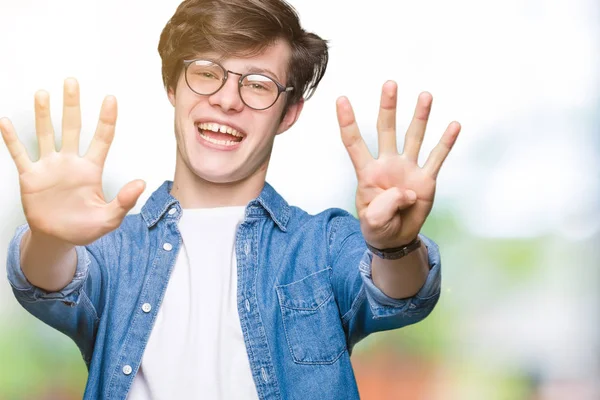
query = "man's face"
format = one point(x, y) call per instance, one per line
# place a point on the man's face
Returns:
point(246, 143)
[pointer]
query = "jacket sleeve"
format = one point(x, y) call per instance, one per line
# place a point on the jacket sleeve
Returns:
point(364, 308)
point(72, 310)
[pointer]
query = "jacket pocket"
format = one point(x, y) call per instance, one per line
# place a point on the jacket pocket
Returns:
point(311, 319)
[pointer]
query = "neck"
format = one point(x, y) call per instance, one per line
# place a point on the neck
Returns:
point(194, 192)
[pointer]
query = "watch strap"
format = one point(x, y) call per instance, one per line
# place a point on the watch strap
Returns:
point(396, 252)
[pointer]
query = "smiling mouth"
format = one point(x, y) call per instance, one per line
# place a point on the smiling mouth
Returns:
point(219, 134)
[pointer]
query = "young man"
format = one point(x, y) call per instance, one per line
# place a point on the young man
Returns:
point(219, 289)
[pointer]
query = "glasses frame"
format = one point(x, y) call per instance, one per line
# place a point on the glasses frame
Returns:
point(280, 88)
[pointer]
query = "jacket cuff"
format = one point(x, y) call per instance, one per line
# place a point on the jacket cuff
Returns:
point(383, 306)
point(27, 292)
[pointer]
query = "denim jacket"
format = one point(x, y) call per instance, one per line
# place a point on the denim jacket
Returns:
point(305, 296)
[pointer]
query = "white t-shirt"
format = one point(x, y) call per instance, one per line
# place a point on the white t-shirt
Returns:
point(196, 348)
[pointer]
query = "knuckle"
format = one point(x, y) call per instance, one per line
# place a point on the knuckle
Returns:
point(350, 139)
point(397, 194)
point(373, 220)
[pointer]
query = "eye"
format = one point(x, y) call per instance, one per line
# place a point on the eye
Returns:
point(257, 86)
point(206, 74)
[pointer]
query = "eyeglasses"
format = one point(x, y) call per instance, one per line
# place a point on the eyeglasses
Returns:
point(257, 91)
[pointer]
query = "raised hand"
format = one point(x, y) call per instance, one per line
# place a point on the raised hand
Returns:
point(394, 194)
point(62, 193)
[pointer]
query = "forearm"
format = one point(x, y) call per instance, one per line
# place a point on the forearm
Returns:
point(401, 278)
point(47, 262)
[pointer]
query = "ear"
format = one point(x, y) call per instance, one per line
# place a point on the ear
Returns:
point(171, 94)
point(290, 117)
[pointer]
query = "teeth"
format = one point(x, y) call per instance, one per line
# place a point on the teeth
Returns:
point(219, 128)
point(221, 142)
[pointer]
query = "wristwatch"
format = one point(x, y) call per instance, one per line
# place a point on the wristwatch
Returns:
point(396, 252)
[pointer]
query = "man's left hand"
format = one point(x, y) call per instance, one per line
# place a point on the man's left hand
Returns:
point(394, 194)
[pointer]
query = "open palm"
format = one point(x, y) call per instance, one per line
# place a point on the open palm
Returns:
point(62, 192)
point(394, 194)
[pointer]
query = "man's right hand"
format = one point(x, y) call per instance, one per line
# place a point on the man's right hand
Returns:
point(62, 193)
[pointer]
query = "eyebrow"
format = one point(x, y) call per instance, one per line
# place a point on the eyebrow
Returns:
point(256, 70)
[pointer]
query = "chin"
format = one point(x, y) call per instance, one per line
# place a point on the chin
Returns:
point(215, 175)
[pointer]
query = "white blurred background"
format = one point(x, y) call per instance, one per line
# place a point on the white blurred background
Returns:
point(517, 210)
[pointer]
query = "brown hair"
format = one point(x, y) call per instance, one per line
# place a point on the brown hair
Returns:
point(242, 28)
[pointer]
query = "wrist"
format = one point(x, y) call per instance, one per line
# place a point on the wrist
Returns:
point(394, 253)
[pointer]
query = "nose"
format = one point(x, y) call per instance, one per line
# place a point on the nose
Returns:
point(228, 97)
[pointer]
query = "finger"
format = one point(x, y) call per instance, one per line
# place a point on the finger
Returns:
point(126, 199)
point(440, 151)
point(353, 141)
point(385, 206)
point(71, 123)
point(386, 122)
point(43, 123)
point(105, 132)
point(416, 130)
point(14, 145)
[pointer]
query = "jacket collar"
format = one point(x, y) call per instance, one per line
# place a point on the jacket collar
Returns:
point(269, 202)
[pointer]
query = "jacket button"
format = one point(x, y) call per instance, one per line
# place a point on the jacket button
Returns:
point(127, 369)
point(168, 246)
point(146, 307)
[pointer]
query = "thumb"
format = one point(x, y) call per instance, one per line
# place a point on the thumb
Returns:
point(406, 199)
point(385, 206)
point(127, 197)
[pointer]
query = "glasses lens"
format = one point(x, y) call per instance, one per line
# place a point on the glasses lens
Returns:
point(259, 91)
point(204, 77)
